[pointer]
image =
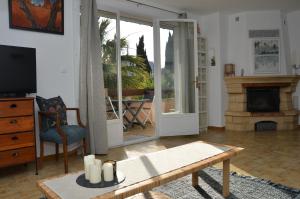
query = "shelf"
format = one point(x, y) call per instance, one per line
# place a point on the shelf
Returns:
point(202, 96)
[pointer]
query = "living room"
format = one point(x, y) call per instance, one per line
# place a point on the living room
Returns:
point(223, 82)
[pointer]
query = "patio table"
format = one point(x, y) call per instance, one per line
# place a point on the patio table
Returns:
point(134, 112)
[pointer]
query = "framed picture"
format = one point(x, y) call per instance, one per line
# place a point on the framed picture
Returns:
point(266, 55)
point(37, 15)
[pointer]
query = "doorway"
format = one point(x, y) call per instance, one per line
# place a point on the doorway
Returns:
point(128, 65)
point(176, 56)
point(137, 60)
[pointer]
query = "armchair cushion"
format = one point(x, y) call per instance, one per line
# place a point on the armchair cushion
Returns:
point(52, 105)
point(74, 134)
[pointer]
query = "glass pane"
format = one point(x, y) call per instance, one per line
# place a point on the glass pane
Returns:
point(137, 57)
point(137, 65)
point(167, 70)
point(177, 67)
point(107, 31)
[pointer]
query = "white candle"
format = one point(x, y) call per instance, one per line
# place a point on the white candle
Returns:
point(95, 173)
point(98, 163)
point(108, 172)
point(88, 160)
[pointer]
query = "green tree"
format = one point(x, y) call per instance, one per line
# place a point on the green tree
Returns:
point(141, 52)
point(168, 71)
point(169, 53)
point(134, 74)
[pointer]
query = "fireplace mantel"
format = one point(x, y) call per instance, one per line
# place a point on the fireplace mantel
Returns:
point(236, 84)
point(237, 117)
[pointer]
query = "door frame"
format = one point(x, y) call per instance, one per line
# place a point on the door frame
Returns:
point(115, 126)
point(155, 137)
point(157, 82)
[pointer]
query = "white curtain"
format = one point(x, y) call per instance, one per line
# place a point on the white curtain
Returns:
point(92, 96)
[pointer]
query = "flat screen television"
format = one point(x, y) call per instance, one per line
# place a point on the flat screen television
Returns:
point(17, 71)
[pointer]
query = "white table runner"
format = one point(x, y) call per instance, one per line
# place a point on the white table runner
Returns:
point(139, 169)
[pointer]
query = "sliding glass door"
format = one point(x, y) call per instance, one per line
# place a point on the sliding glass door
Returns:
point(127, 58)
point(109, 31)
point(176, 58)
point(169, 106)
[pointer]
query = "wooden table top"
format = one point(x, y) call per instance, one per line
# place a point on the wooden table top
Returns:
point(151, 183)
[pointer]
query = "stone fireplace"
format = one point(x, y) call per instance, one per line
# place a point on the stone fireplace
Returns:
point(261, 103)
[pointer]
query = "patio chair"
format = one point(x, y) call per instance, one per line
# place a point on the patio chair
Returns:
point(147, 112)
point(110, 109)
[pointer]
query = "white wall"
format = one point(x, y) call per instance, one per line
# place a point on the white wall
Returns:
point(56, 57)
point(213, 27)
point(293, 24)
point(240, 48)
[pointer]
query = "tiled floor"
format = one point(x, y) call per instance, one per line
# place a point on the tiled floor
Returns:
point(269, 155)
point(137, 132)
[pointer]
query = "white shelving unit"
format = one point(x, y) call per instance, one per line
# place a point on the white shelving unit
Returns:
point(202, 82)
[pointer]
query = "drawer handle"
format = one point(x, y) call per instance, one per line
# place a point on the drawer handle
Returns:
point(13, 106)
point(15, 138)
point(13, 121)
point(16, 154)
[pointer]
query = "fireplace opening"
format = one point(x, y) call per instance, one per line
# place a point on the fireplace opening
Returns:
point(263, 99)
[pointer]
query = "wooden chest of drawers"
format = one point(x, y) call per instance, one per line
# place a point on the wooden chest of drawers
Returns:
point(17, 132)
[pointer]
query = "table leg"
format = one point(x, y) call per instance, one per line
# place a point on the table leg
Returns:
point(226, 175)
point(124, 115)
point(195, 179)
point(135, 114)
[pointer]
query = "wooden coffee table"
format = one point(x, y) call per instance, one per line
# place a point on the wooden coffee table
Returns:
point(150, 183)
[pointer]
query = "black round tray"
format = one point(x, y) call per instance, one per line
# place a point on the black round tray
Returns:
point(81, 181)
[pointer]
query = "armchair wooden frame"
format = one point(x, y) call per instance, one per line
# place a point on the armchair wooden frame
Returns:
point(61, 134)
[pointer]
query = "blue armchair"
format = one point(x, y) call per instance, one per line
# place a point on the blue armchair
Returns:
point(61, 134)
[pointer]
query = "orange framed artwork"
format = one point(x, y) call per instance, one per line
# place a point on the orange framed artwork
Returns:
point(37, 15)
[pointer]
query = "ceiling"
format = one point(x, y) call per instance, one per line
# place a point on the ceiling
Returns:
point(230, 6)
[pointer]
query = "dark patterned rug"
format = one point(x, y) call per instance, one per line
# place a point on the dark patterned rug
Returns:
point(241, 187)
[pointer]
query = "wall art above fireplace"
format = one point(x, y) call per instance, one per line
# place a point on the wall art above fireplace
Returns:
point(266, 55)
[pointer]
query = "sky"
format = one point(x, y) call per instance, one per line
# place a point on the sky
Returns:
point(133, 31)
